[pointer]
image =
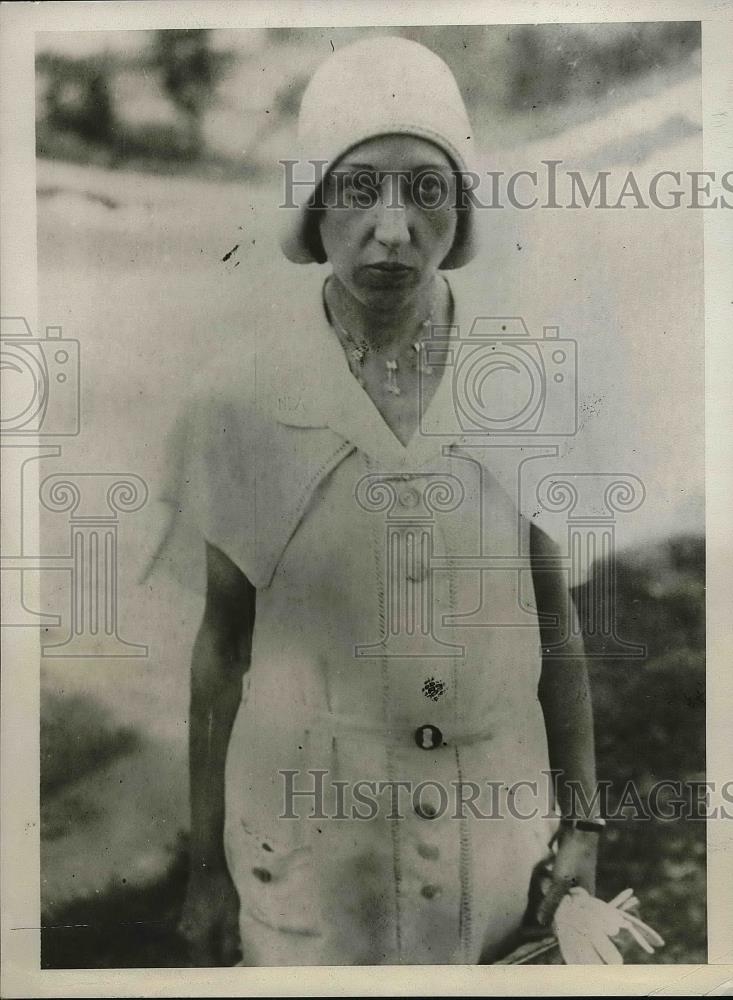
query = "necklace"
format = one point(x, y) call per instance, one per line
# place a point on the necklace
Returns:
point(359, 351)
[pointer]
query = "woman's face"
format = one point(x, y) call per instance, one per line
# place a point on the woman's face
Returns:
point(389, 218)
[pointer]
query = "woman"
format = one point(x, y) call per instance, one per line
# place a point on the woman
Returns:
point(339, 652)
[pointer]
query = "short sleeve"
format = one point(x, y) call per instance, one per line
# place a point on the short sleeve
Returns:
point(203, 494)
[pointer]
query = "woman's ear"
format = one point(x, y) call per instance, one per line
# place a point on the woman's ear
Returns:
point(312, 232)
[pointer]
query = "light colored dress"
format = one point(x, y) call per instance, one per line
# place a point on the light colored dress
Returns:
point(386, 648)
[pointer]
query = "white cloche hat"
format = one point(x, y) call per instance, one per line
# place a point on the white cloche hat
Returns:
point(378, 86)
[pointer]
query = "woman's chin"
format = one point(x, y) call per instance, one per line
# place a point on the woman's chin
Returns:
point(389, 297)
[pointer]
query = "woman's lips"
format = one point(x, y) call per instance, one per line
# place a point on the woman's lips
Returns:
point(388, 273)
point(390, 265)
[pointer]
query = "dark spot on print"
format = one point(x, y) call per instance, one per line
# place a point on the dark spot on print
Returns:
point(434, 688)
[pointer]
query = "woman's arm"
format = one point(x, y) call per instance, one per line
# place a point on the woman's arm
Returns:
point(564, 694)
point(221, 656)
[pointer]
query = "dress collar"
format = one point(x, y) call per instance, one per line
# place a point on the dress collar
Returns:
point(312, 372)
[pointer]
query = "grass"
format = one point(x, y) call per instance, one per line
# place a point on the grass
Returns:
point(77, 737)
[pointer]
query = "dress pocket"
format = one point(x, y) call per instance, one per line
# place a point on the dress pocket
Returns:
point(276, 882)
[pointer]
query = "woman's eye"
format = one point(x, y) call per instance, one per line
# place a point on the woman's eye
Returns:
point(362, 186)
point(351, 189)
point(431, 190)
point(354, 189)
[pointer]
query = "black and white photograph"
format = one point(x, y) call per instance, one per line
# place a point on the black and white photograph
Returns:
point(358, 438)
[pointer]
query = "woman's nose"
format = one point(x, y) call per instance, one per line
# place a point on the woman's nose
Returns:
point(391, 229)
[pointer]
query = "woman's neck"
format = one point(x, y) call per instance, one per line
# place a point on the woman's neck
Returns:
point(386, 330)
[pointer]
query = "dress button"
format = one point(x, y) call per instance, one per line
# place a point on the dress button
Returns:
point(428, 737)
point(426, 811)
point(418, 571)
point(409, 498)
point(430, 891)
point(428, 851)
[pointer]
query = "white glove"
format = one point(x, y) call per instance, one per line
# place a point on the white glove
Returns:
point(585, 925)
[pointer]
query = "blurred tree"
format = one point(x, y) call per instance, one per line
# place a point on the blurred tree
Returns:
point(78, 735)
point(78, 97)
point(554, 63)
point(190, 72)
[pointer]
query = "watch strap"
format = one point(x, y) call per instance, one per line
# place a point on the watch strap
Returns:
point(596, 825)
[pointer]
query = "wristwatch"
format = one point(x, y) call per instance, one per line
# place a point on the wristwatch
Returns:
point(595, 825)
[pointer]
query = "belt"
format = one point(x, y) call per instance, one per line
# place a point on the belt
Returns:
point(426, 736)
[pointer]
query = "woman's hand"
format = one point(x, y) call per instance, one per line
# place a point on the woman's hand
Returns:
point(210, 918)
point(574, 865)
